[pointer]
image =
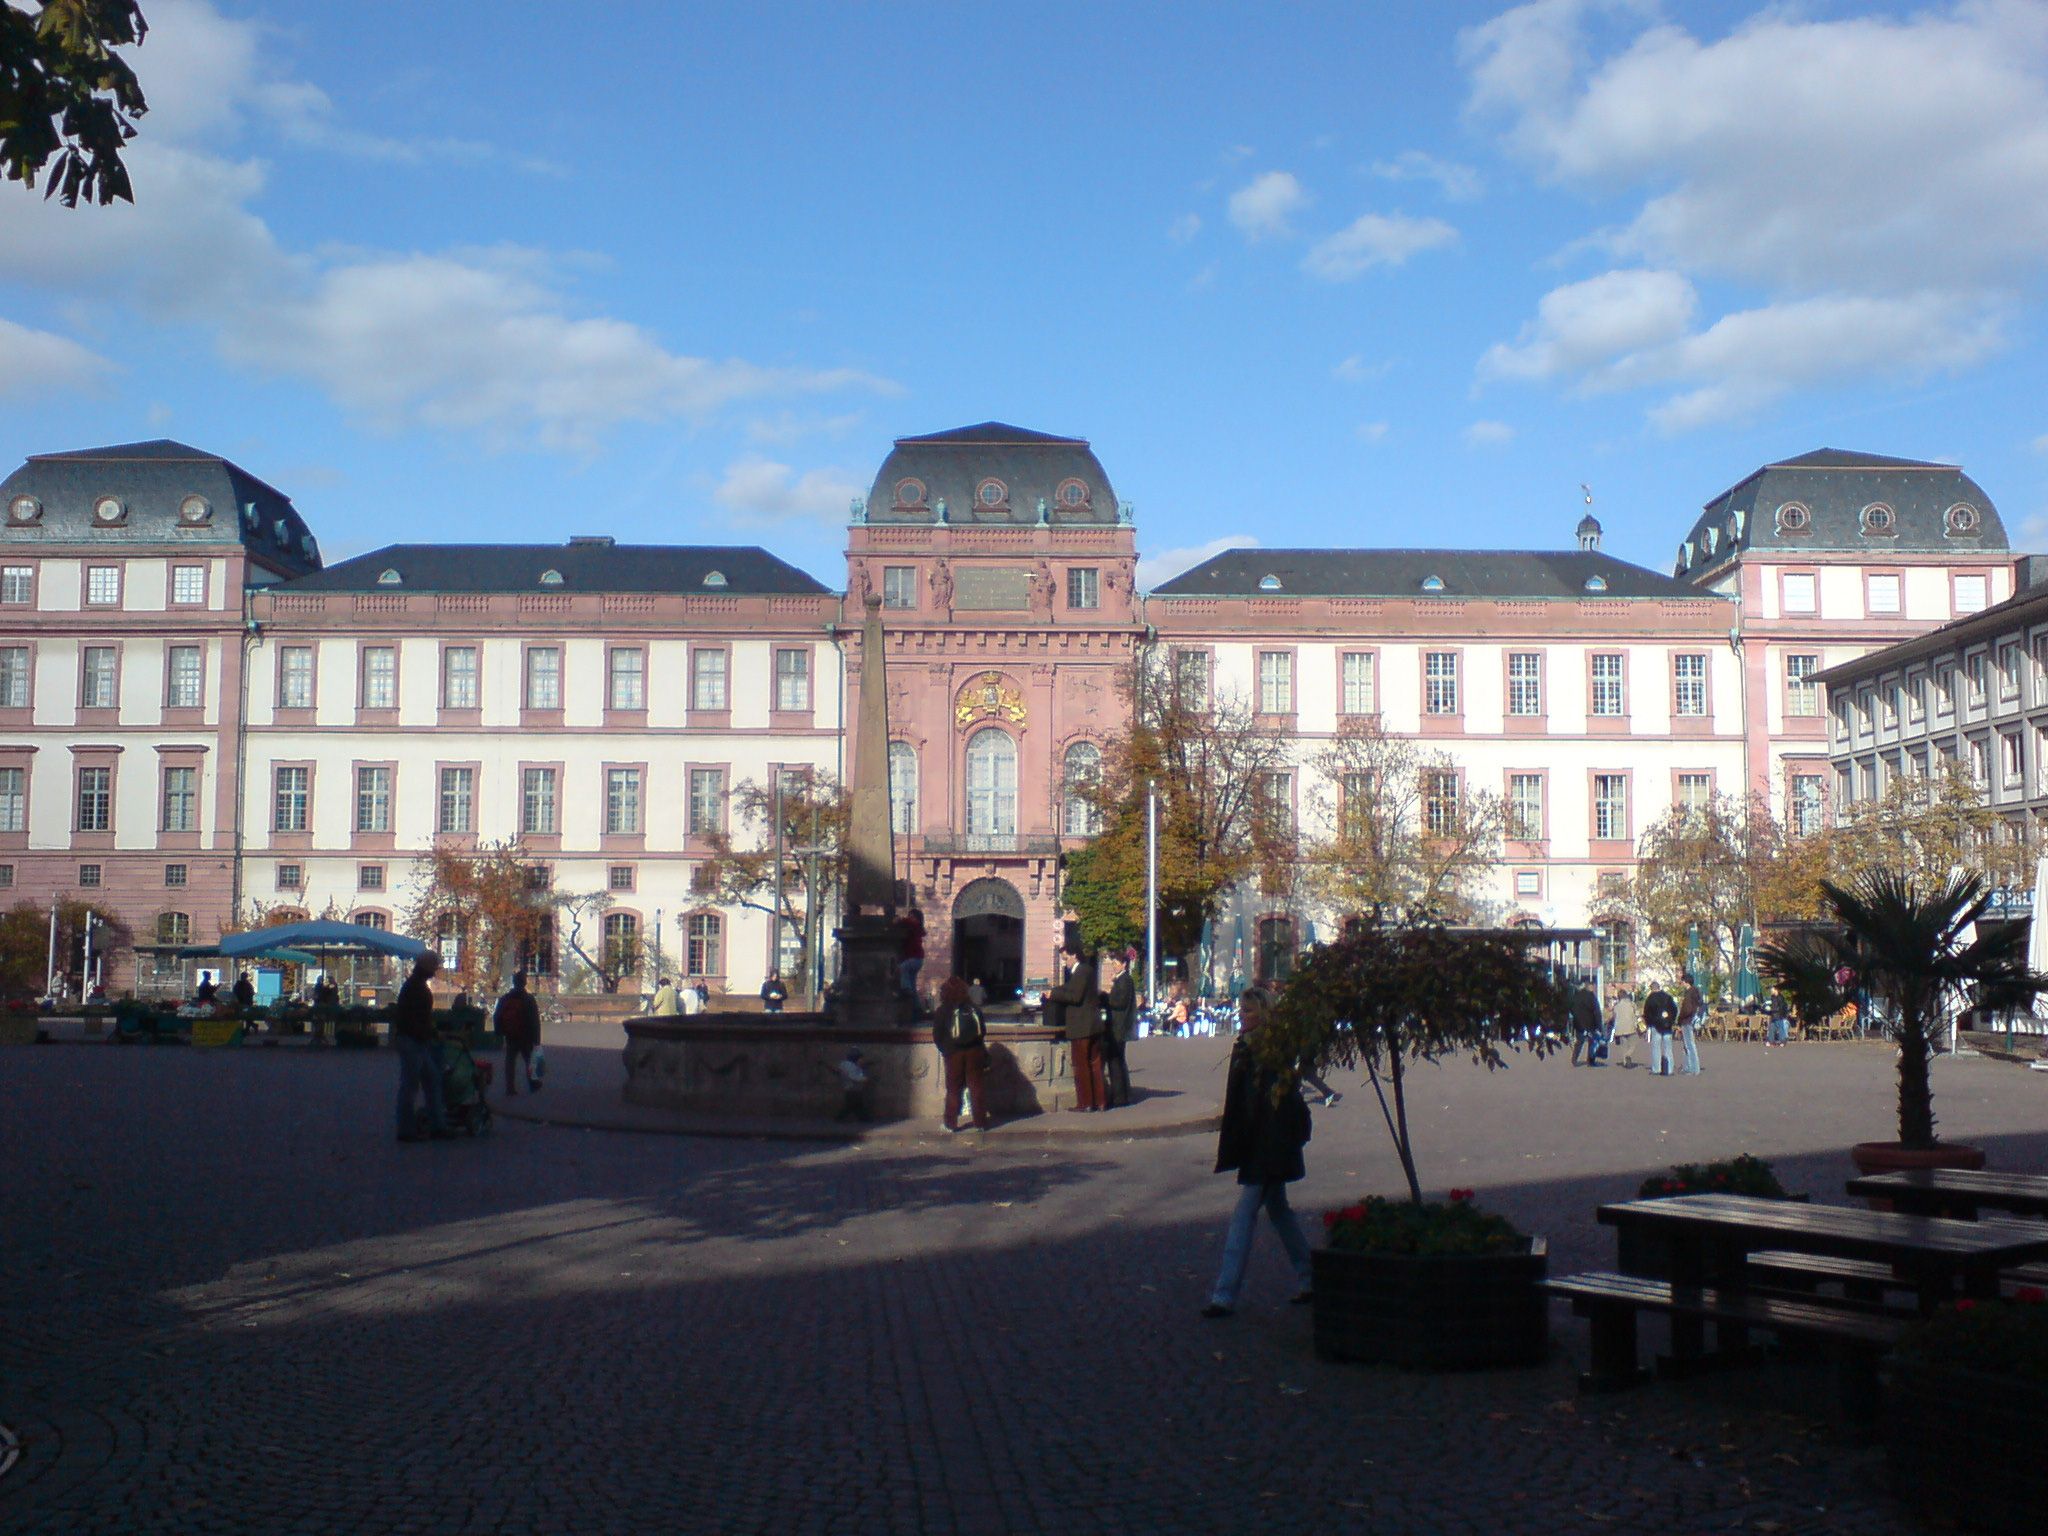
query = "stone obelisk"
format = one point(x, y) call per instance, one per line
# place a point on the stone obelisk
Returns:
point(868, 939)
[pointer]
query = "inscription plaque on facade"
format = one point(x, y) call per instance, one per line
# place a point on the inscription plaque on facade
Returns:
point(991, 589)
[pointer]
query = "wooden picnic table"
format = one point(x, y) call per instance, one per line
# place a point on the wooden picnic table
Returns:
point(1957, 1192)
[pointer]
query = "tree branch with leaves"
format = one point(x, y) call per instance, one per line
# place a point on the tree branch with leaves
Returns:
point(68, 101)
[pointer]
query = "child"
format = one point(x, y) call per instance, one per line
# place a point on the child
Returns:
point(853, 1078)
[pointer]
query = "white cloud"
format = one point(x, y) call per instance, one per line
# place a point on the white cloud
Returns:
point(1459, 183)
point(1205, 278)
point(1356, 370)
point(1169, 563)
point(1589, 326)
point(1262, 207)
point(759, 490)
point(1184, 228)
point(1375, 240)
point(40, 363)
point(1371, 431)
point(2040, 444)
point(1488, 434)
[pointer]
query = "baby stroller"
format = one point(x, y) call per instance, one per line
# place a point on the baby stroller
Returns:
point(463, 1081)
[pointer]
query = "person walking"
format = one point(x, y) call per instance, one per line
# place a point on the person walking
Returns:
point(1119, 1025)
point(1625, 1017)
point(1779, 1034)
point(1264, 1130)
point(664, 1004)
point(961, 1035)
point(1692, 1013)
point(1076, 1012)
point(1660, 1015)
point(517, 1018)
point(412, 1035)
point(1585, 1024)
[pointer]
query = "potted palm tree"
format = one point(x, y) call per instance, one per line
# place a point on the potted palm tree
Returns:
point(1917, 953)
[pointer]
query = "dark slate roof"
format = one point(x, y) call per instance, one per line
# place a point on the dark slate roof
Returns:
point(1487, 573)
point(951, 466)
point(152, 480)
point(585, 567)
point(1834, 486)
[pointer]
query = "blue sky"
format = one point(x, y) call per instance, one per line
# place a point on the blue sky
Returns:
point(1305, 274)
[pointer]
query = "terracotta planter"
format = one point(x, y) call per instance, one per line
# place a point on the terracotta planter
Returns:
point(1889, 1157)
point(1433, 1312)
point(1942, 1418)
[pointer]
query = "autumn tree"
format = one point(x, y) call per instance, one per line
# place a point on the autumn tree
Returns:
point(500, 914)
point(1696, 874)
point(67, 97)
point(741, 872)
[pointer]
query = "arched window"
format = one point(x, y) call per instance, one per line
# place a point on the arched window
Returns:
point(173, 928)
point(704, 953)
point(621, 944)
point(1276, 948)
point(1082, 817)
point(991, 784)
point(378, 920)
point(902, 788)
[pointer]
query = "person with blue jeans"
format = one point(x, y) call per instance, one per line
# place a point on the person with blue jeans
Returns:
point(1659, 1016)
point(1692, 1013)
point(412, 1035)
point(1261, 1143)
point(1781, 1022)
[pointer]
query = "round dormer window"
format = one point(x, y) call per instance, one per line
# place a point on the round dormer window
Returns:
point(1880, 520)
point(1072, 493)
point(714, 578)
point(551, 578)
point(992, 493)
point(389, 578)
point(1269, 583)
point(108, 509)
point(1432, 583)
point(24, 509)
point(1793, 517)
point(910, 493)
point(1596, 583)
point(194, 510)
point(1962, 518)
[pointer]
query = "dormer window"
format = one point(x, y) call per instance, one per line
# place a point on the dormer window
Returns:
point(1961, 520)
point(250, 520)
point(1880, 521)
point(714, 578)
point(1596, 583)
point(551, 578)
point(910, 493)
point(194, 510)
point(1713, 540)
point(992, 494)
point(1432, 583)
point(108, 511)
point(24, 509)
point(1685, 555)
point(312, 546)
point(1736, 524)
point(284, 532)
point(1793, 517)
point(388, 578)
point(1269, 583)
point(1072, 493)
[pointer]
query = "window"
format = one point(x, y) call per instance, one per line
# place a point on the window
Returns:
point(1276, 949)
point(14, 677)
point(1082, 771)
point(627, 688)
point(376, 920)
point(295, 677)
point(1866, 711)
point(1440, 683)
point(1355, 803)
point(1802, 693)
point(1361, 692)
point(373, 799)
point(1845, 787)
point(1799, 593)
point(174, 876)
point(544, 678)
point(1808, 799)
point(103, 585)
point(1884, 595)
point(458, 799)
point(2010, 759)
point(1276, 795)
point(619, 877)
point(1980, 762)
point(2009, 670)
point(6, 877)
point(1276, 683)
point(991, 784)
point(1971, 594)
point(621, 943)
point(1689, 684)
point(181, 799)
point(1945, 691)
point(1084, 587)
point(1610, 696)
point(13, 799)
point(1976, 670)
point(1440, 801)
point(1528, 882)
point(95, 799)
point(707, 801)
point(1916, 700)
point(1617, 950)
point(1894, 699)
point(707, 679)
point(182, 687)
point(370, 877)
point(1191, 679)
point(1525, 683)
point(1525, 807)
point(89, 876)
point(188, 585)
point(291, 877)
point(380, 677)
point(2040, 649)
point(458, 677)
point(704, 952)
point(793, 681)
point(902, 788)
point(291, 788)
point(622, 801)
point(17, 584)
point(899, 586)
point(1695, 792)
point(1610, 806)
point(537, 802)
point(101, 687)
point(537, 877)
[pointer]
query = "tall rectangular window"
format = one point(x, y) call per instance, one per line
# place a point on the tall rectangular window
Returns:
point(1799, 593)
point(1525, 683)
point(291, 788)
point(17, 584)
point(1440, 683)
point(1977, 670)
point(1972, 593)
point(295, 677)
point(1610, 691)
point(14, 677)
point(1884, 595)
point(373, 799)
point(543, 678)
point(1695, 791)
point(188, 585)
point(95, 799)
point(704, 953)
point(103, 585)
point(1440, 801)
point(622, 800)
point(458, 677)
point(1277, 792)
point(1610, 806)
point(2009, 670)
point(184, 685)
point(13, 799)
point(2040, 653)
point(1355, 802)
point(793, 681)
point(1689, 684)
point(899, 586)
point(1802, 693)
point(181, 799)
point(1276, 683)
point(1361, 685)
point(380, 677)
point(1525, 807)
point(537, 802)
point(1809, 794)
point(1916, 700)
point(707, 679)
point(1191, 679)
point(101, 688)
point(458, 800)
point(2010, 759)
point(627, 686)
point(1084, 587)
point(707, 801)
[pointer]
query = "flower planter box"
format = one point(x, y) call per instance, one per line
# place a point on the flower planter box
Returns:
point(1965, 1445)
point(1455, 1311)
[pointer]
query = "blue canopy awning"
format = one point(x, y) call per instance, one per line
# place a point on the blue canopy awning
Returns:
point(321, 938)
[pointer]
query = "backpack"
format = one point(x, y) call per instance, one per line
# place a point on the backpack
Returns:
point(966, 1027)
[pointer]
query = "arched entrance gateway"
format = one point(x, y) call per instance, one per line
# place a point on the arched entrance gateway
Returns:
point(988, 936)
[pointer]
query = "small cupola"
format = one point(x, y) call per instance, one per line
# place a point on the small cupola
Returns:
point(1589, 532)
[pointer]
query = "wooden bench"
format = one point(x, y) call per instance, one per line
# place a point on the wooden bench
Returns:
point(1863, 1280)
point(1611, 1304)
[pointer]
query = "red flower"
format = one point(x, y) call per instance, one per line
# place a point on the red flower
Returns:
point(2032, 1295)
point(1460, 1196)
point(1967, 1304)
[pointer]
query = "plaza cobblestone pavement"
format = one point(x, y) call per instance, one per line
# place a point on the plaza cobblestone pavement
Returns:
point(230, 1302)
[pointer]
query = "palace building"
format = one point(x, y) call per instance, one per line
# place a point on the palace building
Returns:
point(200, 719)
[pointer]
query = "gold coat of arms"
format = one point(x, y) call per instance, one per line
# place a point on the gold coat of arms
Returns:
point(989, 695)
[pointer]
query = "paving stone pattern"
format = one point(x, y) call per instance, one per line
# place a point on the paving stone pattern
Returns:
point(233, 1303)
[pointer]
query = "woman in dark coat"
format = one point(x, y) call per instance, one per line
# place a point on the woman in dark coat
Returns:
point(1261, 1142)
point(517, 1018)
point(1119, 1020)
